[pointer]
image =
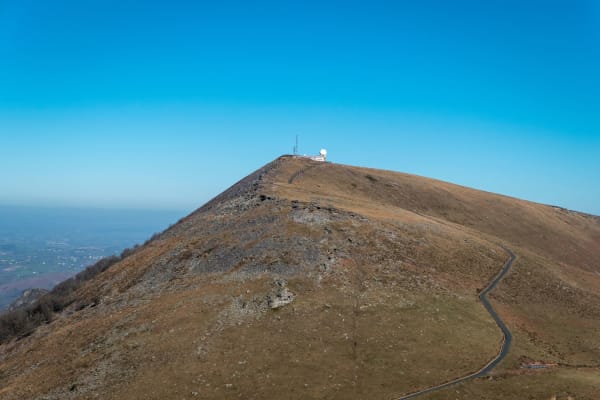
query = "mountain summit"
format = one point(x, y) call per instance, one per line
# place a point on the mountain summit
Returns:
point(310, 279)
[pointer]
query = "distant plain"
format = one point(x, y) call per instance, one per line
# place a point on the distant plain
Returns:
point(40, 247)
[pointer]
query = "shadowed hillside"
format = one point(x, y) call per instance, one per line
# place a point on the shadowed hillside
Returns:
point(318, 280)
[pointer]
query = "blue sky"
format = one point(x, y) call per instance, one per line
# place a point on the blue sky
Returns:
point(156, 104)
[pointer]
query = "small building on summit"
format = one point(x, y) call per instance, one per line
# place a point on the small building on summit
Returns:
point(321, 157)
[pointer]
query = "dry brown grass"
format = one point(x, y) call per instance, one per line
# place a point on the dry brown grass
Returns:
point(385, 268)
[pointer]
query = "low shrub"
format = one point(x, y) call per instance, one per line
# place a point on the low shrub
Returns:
point(22, 322)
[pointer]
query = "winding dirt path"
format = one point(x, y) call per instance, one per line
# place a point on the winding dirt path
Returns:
point(486, 369)
point(507, 336)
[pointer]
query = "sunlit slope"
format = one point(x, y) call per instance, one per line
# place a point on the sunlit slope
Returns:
point(564, 235)
point(384, 269)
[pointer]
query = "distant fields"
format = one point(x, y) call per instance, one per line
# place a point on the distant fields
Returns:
point(40, 247)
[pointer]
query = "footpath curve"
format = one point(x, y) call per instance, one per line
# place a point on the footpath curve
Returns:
point(507, 336)
point(507, 340)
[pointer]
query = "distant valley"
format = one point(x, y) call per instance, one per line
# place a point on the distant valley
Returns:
point(40, 247)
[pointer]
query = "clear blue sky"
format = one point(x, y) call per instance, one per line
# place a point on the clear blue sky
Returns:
point(163, 104)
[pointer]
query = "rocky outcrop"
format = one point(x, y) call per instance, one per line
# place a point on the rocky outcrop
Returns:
point(27, 298)
point(280, 296)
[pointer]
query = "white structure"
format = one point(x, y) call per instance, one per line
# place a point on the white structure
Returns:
point(321, 157)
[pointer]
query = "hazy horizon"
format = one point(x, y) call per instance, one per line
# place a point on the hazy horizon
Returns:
point(40, 247)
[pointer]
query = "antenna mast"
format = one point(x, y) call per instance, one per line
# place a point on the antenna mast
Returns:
point(296, 146)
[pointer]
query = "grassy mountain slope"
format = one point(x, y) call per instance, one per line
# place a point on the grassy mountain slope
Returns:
point(384, 270)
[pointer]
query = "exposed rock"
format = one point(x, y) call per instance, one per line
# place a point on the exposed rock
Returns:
point(385, 265)
point(28, 297)
point(281, 296)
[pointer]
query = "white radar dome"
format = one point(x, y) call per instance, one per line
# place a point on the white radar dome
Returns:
point(323, 152)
